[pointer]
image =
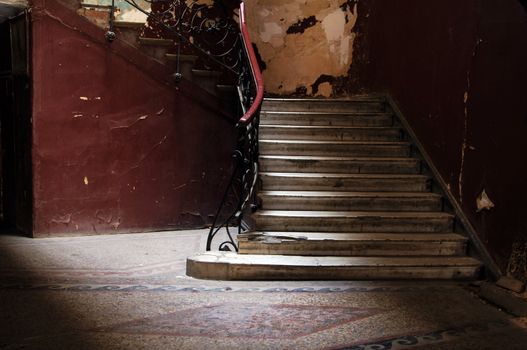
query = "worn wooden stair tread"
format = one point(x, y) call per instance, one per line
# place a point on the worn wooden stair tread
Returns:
point(353, 104)
point(366, 215)
point(232, 266)
point(272, 237)
point(182, 58)
point(327, 113)
point(86, 5)
point(352, 176)
point(352, 244)
point(349, 194)
point(350, 200)
point(339, 158)
point(206, 73)
point(328, 127)
point(330, 133)
point(351, 99)
point(340, 164)
point(326, 118)
point(156, 41)
point(349, 181)
point(129, 24)
point(325, 143)
point(343, 194)
point(270, 146)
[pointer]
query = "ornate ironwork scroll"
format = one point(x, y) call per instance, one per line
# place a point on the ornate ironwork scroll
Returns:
point(218, 33)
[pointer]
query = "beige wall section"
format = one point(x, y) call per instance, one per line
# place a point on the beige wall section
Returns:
point(298, 59)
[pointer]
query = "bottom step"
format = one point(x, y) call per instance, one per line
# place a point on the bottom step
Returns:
point(232, 266)
point(352, 244)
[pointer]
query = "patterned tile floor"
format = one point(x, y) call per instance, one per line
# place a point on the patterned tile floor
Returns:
point(130, 292)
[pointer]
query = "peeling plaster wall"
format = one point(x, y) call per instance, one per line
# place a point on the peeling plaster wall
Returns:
point(116, 149)
point(458, 72)
point(301, 40)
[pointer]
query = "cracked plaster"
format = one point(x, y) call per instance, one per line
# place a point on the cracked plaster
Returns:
point(296, 60)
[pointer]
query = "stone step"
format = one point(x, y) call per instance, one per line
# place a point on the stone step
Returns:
point(129, 24)
point(342, 201)
point(182, 58)
point(156, 41)
point(330, 133)
point(325, 118)
point(232, 266)
point(347, 165)
point(352, 104)
point(206, 73)
point(334, 148)
point(344, 182)
point(352, 244)
point(352, 221)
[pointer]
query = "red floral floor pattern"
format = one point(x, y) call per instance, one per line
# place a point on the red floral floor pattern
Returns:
point(265, 321)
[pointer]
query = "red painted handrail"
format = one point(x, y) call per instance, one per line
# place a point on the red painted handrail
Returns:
point(257, 74)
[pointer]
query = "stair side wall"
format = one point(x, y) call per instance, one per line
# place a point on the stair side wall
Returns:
point(457, 71)
point(116, 148)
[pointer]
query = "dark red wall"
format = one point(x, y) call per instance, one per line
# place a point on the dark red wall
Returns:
point(432, 57)
point(115, 147)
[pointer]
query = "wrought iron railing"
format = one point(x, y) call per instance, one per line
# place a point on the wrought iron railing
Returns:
point(213, 33)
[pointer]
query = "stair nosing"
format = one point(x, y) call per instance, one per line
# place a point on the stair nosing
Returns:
point(365, 98)
point(350, 213)
point(338, 175)
point(188, 58)
point(328, 127)
point(329, 113)
point(332, 261)
point(129, 24)
point(335, 142)
point(206, 73)
point(322, 158)
point(354, 237)
point(156, 41)
point(399, 194)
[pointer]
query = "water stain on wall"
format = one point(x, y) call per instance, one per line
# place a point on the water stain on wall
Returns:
point(301, 40)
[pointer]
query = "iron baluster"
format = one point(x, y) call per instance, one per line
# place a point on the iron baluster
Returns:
point(110, 34)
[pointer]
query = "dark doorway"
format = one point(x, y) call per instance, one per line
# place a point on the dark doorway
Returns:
point(15, 126)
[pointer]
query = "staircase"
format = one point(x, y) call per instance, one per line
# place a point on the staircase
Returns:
point(344, 195)
point(164, 50)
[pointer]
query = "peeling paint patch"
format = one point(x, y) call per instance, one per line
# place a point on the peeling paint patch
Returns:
point(300, 26)
point(62, 219)
point(272, 31)
point(325, 89)
point(483, 202)
point(321, 44)
point(464, 145)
